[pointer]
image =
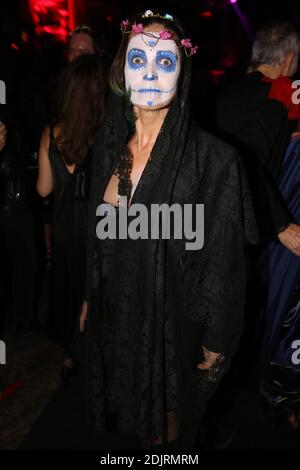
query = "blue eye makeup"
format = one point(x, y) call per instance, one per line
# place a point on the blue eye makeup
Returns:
point(136, 59)
point(166, 61)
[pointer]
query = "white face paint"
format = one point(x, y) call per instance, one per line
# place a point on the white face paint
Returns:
point(152, 69)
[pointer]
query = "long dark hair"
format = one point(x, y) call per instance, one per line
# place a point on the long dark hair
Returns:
point(80, 107)
point(117, 79)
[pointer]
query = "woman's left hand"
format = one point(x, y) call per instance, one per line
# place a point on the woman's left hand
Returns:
point(210, 358)
point(83, 316)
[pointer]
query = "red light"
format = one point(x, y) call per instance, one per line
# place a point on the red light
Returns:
point(109, 18)
point(55, 17)
point(216, 75)
point(206, 14)
point(63, 13)
point(14, 46)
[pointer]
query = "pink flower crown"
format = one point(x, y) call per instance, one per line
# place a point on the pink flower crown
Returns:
point(128, 28)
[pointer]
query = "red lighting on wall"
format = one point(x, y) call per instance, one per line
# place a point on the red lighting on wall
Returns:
point(14, 46)
point(71, 14)
point(216, 75)
point(206, 14)
point(54, 17)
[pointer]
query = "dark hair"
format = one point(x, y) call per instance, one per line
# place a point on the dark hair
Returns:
point(116, 79)
point(80, 107)
point(273, 41)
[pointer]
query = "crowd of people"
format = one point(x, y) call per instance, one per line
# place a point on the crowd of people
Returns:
point(153, 327)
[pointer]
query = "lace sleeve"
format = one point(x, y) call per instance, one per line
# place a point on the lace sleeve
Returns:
point(215, 275)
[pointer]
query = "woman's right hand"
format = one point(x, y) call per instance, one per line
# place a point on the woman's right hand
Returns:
point(83, 316)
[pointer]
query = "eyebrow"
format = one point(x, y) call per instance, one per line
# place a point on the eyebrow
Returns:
point(157, 52)
point(170, 52)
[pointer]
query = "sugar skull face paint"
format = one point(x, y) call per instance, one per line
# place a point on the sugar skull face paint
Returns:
point(152, 69)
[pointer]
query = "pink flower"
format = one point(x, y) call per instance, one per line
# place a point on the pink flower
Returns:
point(165, 35)
point(186, 43)
point(137, 28)
point(124, 24)
point(194, 50)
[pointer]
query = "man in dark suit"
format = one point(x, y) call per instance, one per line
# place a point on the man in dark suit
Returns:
point(257, 114)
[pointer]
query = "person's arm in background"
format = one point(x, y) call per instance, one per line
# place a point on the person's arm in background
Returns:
point(44, 184)
point(258, 137)
point(2, 136)
point(263, 133)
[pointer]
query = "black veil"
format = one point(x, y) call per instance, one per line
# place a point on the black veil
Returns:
point(170, 301)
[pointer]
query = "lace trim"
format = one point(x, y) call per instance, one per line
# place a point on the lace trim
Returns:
point(123, 171)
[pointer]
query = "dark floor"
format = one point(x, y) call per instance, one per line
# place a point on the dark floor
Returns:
point(33, 364)
point(62, 426)
point(44, 414)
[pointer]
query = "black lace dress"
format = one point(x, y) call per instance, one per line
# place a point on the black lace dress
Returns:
point(69, 232)
point(118, 340)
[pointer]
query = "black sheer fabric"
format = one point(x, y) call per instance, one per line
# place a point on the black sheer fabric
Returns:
point(152, 304)
point(69, 232)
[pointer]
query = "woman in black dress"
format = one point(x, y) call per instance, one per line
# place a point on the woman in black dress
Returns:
point(64, 168)
point(162, 320)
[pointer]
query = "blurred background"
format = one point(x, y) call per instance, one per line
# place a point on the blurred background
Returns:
point(33, 35)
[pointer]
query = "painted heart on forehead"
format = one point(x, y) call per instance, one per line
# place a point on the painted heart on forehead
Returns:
point(152, 69)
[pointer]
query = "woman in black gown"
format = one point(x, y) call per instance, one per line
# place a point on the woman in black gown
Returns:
point(162, 321)
point(64, 168)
